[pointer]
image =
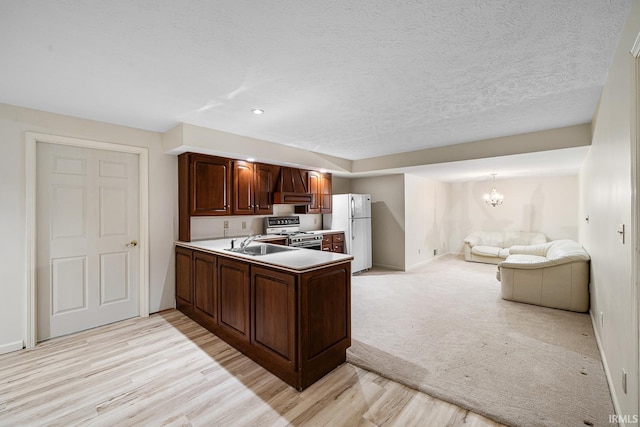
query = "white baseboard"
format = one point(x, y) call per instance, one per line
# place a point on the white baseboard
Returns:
point(427, 261)
point(13, 346)
point(605, 365)
point(388, 267)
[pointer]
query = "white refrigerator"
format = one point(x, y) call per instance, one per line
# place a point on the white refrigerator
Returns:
point(351, 213)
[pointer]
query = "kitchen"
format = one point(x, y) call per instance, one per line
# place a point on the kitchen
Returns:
point(284, 301)
point(305, 197)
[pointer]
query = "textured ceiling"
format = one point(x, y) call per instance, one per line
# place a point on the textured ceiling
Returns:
point(349, 79)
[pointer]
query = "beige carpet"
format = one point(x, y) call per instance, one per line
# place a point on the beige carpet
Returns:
point(445, 331)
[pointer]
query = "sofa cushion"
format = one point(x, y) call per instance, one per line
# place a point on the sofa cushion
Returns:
point(486, 251)
point(520, 260)
point(494, 246)
point(539, 250)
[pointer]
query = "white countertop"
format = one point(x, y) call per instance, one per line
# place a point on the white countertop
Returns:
point(297, 261)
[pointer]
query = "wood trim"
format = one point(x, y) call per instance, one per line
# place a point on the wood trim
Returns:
point(32, 138)
point(184, 214)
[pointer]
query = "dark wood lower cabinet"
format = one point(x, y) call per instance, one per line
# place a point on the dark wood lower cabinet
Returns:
point(184, 279)
point(233, 282)
point(325, 326)
point(204, 284)
point(274, 319)
point(296, 325)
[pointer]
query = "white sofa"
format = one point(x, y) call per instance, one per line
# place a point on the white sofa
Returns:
point(553, 274)
point(493, 246)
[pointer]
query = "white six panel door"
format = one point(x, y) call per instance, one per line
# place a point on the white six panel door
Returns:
point(87, 228)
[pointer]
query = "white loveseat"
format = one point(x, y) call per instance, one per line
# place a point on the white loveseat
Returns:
point(493, 246)
point(553, 274)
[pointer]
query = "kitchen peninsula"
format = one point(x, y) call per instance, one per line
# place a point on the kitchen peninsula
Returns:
point(288, 309)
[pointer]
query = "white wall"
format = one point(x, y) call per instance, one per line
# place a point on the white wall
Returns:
point(14, 122)
point(605, 184)
point(426, 219)
point(387, 218)
point(545, 204)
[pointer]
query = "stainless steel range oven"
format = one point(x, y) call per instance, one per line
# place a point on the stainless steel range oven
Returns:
point(289, 226)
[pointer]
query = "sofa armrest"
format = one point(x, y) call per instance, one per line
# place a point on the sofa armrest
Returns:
point(472, 240)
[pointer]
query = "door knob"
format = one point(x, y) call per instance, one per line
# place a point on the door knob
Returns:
point(132, 243)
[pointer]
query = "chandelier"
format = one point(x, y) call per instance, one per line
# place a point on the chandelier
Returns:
point(494, 198)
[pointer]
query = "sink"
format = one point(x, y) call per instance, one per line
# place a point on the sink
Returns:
point(262, 249)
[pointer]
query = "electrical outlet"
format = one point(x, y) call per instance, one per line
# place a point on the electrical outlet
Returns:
point(244, 224)
point(435, 252)
point(315, 220)
point(226, 224)
point(419, 251)
point(624, 381)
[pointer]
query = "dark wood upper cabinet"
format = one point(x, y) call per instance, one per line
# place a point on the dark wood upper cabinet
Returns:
point(313, 182)
point(319, 184)
point(253, 188)
point(243, 188)
point(264, 185)
point(325, 194)
point(210, 184)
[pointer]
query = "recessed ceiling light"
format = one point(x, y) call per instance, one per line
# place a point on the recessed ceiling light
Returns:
point(250, 159)
point(323, 171)
point(257, 111)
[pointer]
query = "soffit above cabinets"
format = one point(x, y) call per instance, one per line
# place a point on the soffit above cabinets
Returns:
point(341, 79)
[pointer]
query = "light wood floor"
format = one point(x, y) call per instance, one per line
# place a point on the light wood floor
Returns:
point(167, 370)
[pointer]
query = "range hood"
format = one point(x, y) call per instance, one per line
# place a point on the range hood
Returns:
point(292, 188)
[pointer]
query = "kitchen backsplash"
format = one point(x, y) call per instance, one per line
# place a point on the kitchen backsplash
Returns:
point(209, 227)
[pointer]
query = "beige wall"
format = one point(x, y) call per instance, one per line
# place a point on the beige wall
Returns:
point(426, 219)
point(14, 122)
point(340, 185)
point(605, 184)
point(387, 218)
point(545, 204)
point(412, 216)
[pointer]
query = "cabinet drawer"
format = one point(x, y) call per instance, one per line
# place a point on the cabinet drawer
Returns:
point(338, 248)
point(326, 239)
point(338, 238)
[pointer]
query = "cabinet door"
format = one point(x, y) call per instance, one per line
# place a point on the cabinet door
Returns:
point(325, 193)
point(265, 185)
point(338, 243)
point(313, 182)
point(273, 317)
point(243, 193)
point(233, 304)
point(184, 279)
point(327, 242)
point(210, 184)
point(325, 320)
point(204, 284)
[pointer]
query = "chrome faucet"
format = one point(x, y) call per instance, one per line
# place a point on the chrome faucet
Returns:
point(246, 242)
